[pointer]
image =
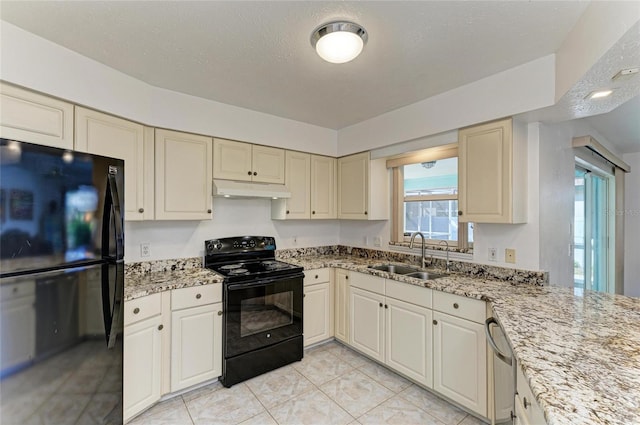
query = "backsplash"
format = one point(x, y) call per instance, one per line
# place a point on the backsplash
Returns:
point(145, 267)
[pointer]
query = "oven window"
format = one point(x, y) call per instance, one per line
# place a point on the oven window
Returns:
point(265, 313)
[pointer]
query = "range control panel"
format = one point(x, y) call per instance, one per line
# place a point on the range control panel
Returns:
point(239, 244)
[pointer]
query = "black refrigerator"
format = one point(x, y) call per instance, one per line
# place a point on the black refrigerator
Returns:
point(61, 286)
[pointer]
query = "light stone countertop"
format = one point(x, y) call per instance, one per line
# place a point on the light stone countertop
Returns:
point(579, 352)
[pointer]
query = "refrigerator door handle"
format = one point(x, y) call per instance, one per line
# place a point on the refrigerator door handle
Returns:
point(113, 205)
point(112, 313)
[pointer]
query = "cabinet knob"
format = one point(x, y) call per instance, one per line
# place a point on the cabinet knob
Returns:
point(198, 296)
point(365, 213)
point(380, 304)
point(136, 310)
point(317, 276)
point(15, 290)
point(386, 306)
point(459, 212)
point(287, 211)
point(304, 295)
point(455, 305)
point(255, 173)
point(140, 210)
point(526, 402)
point(435, 322)
point(209, 211)
point(248, 173)
point(160, 327)
point(346, 277)
point(220, 313)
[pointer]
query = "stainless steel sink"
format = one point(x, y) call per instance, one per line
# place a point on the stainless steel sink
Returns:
point(426, 275)
point(393, 268)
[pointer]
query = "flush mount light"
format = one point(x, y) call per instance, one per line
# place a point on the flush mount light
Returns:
point(598, 94)
point(339, 42)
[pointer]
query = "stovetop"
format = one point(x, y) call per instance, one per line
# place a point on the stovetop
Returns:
point(246, 258)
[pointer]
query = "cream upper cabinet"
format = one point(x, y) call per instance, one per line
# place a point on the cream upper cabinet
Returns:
point(323, 187)
point(106, 135)
point(363, 188)
point(246, 162)
point(298, 181)
point(341, 330)
point(31, 117)
point(492, 173)
point(183, 176)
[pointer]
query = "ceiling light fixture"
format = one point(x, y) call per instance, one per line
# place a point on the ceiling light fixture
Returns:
point(599, 94)
point(339, 42)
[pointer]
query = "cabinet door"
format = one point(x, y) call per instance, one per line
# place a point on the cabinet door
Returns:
point(353, 186)
point(317, 310)
point(183, 176)
point(342, 306)
point(485, 172)
point(17, 331)
point(408, 338)
point(196, 345)
point(268, 164)
point(367, 323)
point(232, 160)
point(105, 135)
point(323, 187)
point(298, 171)
point(459, 361)
point(31, 117)
point(142, 365)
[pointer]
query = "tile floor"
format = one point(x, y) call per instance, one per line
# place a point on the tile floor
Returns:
point(331, 385)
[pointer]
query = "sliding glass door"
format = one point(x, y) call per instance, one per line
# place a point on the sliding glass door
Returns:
point(593, 258)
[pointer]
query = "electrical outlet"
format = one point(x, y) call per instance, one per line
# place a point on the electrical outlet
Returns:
point(493, 254)
point(145, 249)
point(510, 255)
point(377, 241)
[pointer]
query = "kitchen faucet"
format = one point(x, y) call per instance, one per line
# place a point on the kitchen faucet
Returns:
point(413, 237)
point(447, 249)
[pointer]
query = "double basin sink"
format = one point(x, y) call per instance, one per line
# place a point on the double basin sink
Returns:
point(408, 271)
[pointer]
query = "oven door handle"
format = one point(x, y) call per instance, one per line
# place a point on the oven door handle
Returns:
point(261, 282)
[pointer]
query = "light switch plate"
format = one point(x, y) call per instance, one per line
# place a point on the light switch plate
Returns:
point(510, 255)
point(493, 254)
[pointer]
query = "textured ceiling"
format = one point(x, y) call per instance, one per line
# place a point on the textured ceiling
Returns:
point(257, 55)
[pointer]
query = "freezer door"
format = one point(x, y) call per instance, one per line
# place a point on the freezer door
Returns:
point(55, 366)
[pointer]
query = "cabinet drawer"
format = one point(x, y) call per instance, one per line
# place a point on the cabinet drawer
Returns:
point(455, 305)
point(367, 282)
point(195, 296)
point(12, 291)
point(406, 292)
point(142, 308)
point(529, 408)
point(311, 277)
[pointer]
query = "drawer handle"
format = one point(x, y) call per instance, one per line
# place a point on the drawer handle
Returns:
point(220, 313)
point(435, 322)
point(160, 327)
point(136, 310)
point(317, 276)
point(198, 296)
point(455, 305)
point(140, 210)
point(526, 402)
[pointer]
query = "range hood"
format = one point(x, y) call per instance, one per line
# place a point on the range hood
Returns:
point(234, 189)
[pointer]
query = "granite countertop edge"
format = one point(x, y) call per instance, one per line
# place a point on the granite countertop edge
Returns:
point(564, 342)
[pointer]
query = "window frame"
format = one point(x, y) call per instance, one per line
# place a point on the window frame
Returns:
point(398, 197)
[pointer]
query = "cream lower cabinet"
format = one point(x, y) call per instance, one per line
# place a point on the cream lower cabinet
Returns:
point(460, 350)
point(196, 335)
point(183, 167)
point(391, 328)
point(318, 306)
point(32, 117)
point(106, 135)
point(528, 411)
point(17, 324)
point(143, 340)
point(341, 302)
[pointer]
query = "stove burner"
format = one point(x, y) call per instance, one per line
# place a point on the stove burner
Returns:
point(237, 271)
point(231, 267)
point(273, 265)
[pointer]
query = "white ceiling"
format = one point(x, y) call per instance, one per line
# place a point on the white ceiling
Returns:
point(257, 54)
